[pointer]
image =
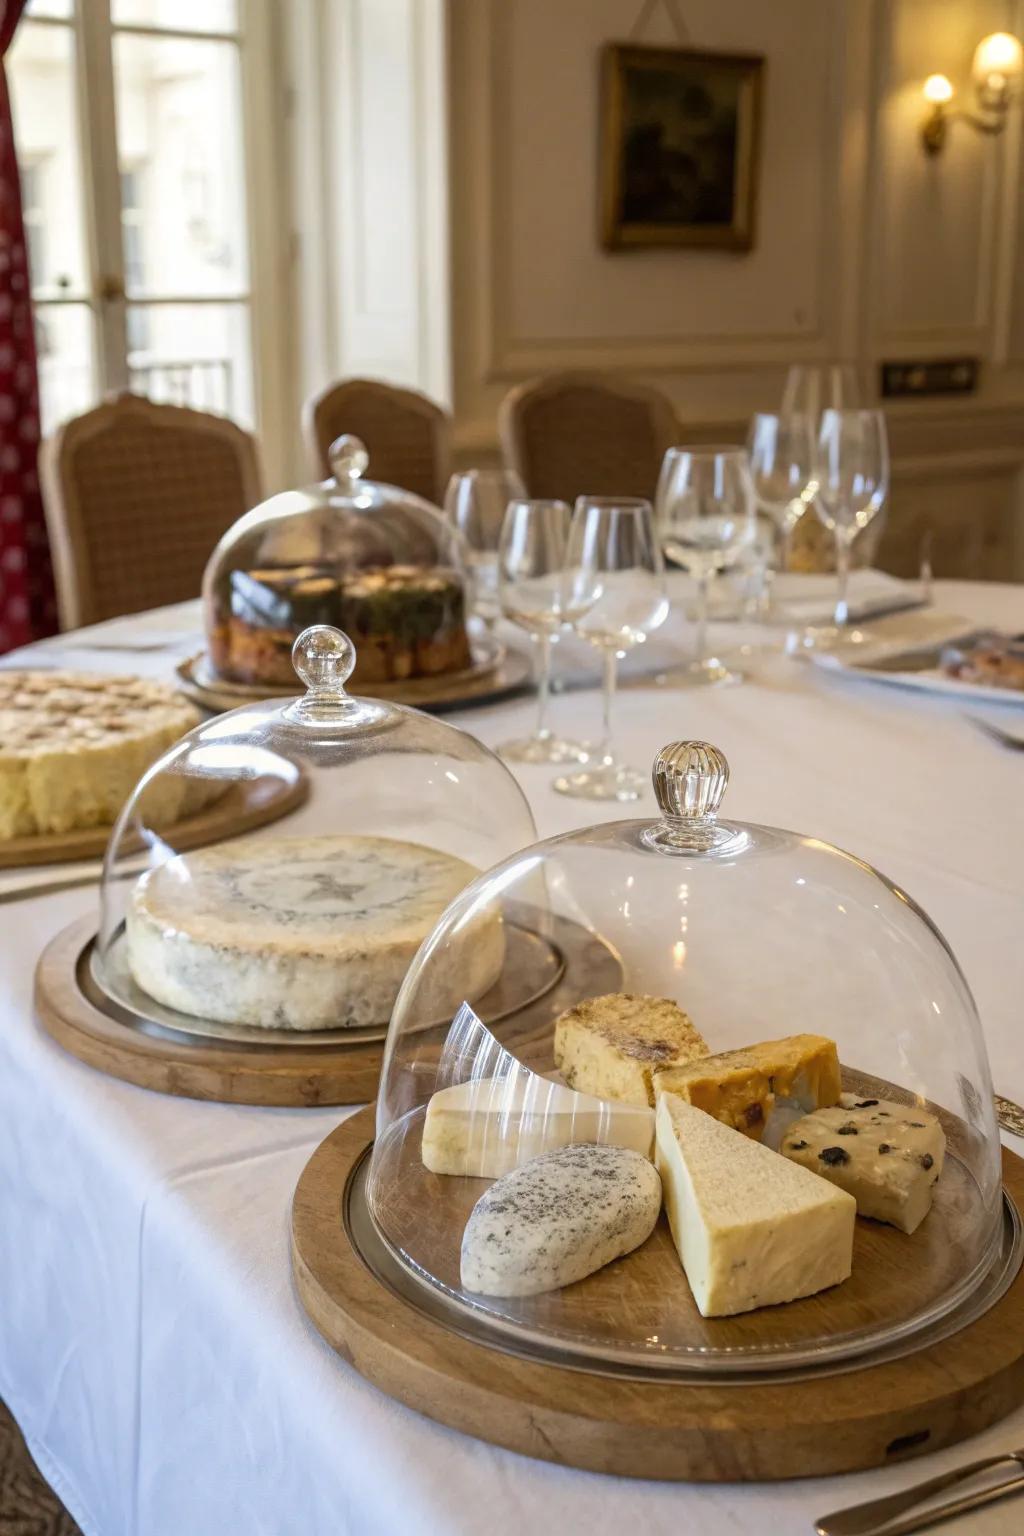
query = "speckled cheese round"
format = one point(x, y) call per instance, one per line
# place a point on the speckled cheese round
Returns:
point(557, 1219)
point(302, 933)
point(73, 746)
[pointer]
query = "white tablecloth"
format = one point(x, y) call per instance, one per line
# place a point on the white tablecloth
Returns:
point(151, 1345)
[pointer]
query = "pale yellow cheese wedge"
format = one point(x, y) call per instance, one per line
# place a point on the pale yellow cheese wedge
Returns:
point(749, 1234)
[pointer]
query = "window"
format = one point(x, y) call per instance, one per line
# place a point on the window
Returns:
point(149, 286)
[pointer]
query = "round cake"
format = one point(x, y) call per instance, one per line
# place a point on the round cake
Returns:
point(73, 746)
point(302, 933)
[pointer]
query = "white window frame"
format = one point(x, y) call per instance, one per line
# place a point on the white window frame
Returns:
point(266, 296)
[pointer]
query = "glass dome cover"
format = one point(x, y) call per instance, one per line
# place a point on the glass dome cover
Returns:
point(378, 562)
point(275, 871)
point(759, 935)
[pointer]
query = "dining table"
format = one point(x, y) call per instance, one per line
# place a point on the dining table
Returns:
point(152, 1346)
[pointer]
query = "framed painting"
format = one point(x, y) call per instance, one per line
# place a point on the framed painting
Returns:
point(680, 141)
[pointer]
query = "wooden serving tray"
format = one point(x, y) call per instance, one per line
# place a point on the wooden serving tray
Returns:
point(767, 1426)
point(310, 1070)
point(243, 807)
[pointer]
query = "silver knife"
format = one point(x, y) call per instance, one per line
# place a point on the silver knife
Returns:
point(880, 1517)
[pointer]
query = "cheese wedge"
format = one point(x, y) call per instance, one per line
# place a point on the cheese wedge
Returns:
point(558, 1219)
point(611, 1046)
point(748, 1233)
point(486, 1127)
point(741, 1088)
point(888, 1156)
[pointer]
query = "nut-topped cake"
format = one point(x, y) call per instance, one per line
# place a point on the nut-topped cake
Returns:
point(299, 933)
point(73, 745)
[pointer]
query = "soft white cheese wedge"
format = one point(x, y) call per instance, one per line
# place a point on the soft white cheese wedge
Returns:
point(748, 1233)
point(558, 1219)
point(488, 1126)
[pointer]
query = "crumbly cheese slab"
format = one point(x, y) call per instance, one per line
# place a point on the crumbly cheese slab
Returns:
point(611, 1046)
point(302, 933)
point(557, 1219)
point(741, 1088)
point(888, 1156)
point(748, 1233)
point(488, 1126)
point(73, 746)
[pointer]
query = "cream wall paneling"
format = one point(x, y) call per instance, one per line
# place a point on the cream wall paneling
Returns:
point(533, 291)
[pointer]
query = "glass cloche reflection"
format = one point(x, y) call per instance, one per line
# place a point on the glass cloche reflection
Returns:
point(324, 836)
point(378, 562)
point(767, 1017)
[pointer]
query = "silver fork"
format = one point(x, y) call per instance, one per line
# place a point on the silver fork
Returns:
point(880, 1517)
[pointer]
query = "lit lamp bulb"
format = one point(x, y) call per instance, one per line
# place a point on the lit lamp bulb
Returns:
point(998, 64)
point(938, 90)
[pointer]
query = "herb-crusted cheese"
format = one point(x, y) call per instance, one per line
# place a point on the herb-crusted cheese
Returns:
point(740, 1088)
point(557, 1219)
point(488, 1126)
point(611, 1046)
point(887, 1155)
point(748, 1233)
point(73, 746)
point(302, 933)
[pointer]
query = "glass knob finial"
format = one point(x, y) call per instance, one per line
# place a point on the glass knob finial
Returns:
point(348, 459)
point(324, 658)
point(690, 778)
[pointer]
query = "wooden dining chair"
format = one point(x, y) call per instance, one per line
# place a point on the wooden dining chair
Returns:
point(573, 434)
point(406, 434)
point(136, 496)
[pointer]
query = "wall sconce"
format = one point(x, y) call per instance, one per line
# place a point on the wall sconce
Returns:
point(997, 69)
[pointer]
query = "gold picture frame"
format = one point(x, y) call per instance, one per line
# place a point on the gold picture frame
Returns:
point(680, 147)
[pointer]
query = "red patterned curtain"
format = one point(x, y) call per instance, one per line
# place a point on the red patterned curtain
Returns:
point(27, 606)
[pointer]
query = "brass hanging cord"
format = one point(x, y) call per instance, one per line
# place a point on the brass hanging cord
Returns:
point(675, 16)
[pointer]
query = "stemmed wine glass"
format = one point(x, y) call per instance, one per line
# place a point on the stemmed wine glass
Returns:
point(614, 595)
point(817, 387)
point(707, 520)
point(475, 503)
point(852, 475)
point(781, 450)
point(531, 593)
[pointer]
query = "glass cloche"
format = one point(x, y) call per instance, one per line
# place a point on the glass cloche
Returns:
point(768, 1018)
point(378, 562)
point(275, 872)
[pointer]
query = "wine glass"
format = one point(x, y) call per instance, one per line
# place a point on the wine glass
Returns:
point(811, 389)
point(475, 503)
point(613, 595)
point(531, 593)
point(781, 450)
point(852, 475)
point(707, 517)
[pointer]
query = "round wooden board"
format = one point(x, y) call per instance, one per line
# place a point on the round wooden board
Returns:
point(700, 1432)
point(243, 807)
point(494, 678)
point(229, 1073)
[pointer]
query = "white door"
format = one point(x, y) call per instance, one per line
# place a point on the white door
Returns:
point(135, 122)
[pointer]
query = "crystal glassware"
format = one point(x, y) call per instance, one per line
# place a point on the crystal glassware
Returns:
point(707, 522)
point(531, 593)
point(852, 481)
point(781, 450)
point(811, 389)
point(475, 503)
point(614, 596)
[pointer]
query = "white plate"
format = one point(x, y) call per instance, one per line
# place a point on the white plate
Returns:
point(911, 667)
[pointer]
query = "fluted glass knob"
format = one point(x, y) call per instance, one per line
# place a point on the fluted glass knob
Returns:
point(324, 658)
point(348, 459)
point(690, 778)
